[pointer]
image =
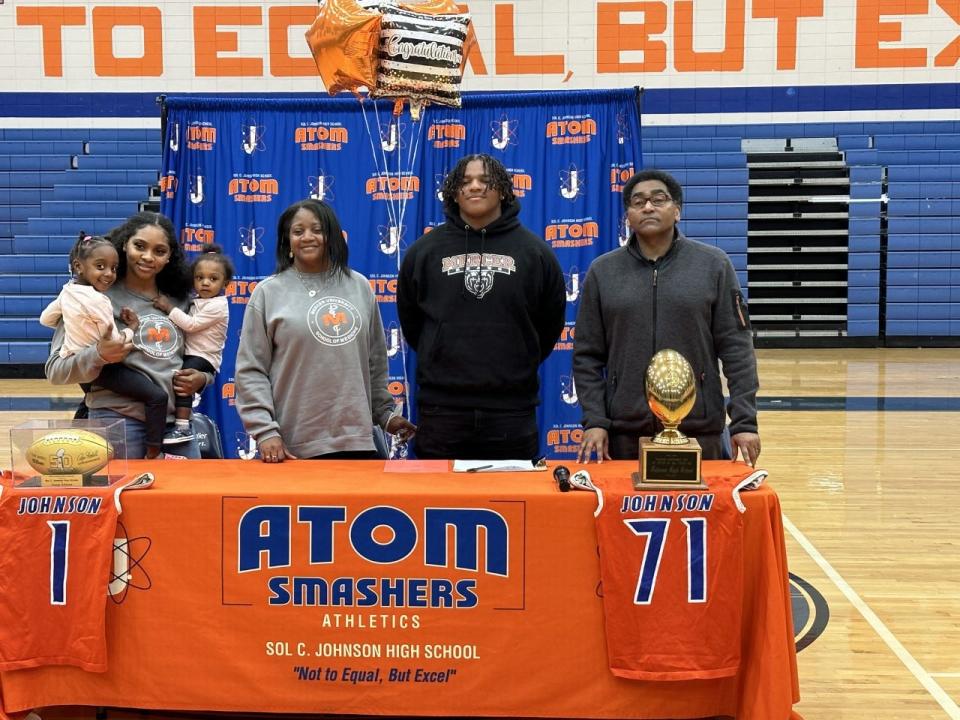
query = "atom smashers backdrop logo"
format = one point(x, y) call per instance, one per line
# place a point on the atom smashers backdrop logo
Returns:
point(393, 577)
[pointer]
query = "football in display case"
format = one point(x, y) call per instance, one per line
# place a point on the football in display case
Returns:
point(68, 453)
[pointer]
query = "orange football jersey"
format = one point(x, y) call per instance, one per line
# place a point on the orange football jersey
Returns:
point(54, 570)
point(671, 568)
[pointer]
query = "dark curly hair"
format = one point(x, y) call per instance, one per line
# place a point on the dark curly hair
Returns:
point(175, 279)
point(337, 250)
point(212, 252)
point(500, 180)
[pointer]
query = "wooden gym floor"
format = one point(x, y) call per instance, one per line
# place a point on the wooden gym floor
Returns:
point(863, 447)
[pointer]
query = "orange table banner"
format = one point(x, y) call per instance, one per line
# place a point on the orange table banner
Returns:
point(336, 587)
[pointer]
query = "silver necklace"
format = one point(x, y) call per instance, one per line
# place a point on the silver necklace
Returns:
point(311, 291)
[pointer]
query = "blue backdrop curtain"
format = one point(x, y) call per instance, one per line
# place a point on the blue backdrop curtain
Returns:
point(231, 166)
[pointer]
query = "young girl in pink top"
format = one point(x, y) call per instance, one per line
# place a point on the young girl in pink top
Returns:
point(87, 313)
point(204, 328)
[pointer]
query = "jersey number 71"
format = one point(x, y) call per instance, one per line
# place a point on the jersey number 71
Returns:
point(655, 531)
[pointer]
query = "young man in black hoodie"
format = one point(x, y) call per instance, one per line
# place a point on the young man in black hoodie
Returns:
point(481, 299)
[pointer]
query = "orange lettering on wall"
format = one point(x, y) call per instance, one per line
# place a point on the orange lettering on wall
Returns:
point(282, 64)
point(209, 42)
point(105, 63)
point(951, 53)
point(787, 14)
point(871, 32)
point(506, 59)
point(51, 20)
point(471, 47)
point(614, 37)
point(730, 59)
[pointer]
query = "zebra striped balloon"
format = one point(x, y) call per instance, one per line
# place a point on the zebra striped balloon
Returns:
point(421, 57)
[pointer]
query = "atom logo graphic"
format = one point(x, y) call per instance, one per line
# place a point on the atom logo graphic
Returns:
point(128, 571)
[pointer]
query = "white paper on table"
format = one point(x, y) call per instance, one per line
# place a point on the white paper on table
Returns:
point(499, 466)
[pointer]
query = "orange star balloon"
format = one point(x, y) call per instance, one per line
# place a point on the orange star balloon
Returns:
point(343, 40)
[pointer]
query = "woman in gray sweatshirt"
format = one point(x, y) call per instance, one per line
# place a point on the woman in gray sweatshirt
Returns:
point(150, 262)
point(311, 370)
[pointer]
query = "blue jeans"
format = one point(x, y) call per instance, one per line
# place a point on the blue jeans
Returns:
point(136, 433)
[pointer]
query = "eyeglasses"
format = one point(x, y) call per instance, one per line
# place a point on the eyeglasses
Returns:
point(658, 201)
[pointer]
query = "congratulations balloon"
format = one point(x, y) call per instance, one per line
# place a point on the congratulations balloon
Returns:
point(421, 57)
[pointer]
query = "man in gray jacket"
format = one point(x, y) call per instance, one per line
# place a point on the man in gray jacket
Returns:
point(662, 290)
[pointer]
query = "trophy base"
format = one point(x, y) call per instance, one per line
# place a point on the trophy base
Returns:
point(668, 467)
point(69, 481)
point(66, 480)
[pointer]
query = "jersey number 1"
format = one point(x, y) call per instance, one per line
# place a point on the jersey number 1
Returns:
point(59, 555)
point(655, 531)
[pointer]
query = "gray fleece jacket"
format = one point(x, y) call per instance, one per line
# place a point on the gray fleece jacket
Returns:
point(688, 300)
point(313, 369)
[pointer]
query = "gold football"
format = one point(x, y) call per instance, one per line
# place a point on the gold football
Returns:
point(69, 452)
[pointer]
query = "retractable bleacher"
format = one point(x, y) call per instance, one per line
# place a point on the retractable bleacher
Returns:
point(55, 183)
point(851, 231)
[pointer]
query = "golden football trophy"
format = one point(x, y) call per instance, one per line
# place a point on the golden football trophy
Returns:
point(669, 459)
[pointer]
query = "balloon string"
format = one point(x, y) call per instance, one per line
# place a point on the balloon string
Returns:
point(395, 119)
point(416, 132)
point(395, 136)
point(411, 160)
point(397, 448)
point(373, 151)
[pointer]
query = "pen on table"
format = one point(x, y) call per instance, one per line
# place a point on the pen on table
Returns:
point(479, 468)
